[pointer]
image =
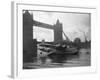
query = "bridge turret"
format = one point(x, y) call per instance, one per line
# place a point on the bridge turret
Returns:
point(57, 21)
point(27, 18)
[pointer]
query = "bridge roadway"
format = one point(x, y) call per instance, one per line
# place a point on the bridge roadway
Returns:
point(43, 25)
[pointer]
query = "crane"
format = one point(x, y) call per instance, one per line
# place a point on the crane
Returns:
point(67, 39)
point(84, 36)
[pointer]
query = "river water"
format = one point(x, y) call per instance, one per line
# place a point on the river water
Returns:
point(82, 59)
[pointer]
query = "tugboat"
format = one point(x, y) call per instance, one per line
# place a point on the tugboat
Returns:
point(58, 49)
point(65, 50)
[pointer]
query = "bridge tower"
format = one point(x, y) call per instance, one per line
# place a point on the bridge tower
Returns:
point(29, 46)
point(58, 32)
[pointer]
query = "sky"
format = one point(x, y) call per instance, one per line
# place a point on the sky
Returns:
point(74, 25)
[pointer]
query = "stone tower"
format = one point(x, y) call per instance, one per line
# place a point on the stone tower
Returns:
point(28, 43)
point(58, 32)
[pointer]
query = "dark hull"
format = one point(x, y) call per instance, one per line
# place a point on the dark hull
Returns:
point(63, 53)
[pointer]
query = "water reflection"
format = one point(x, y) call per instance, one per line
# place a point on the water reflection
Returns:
point(81, 59)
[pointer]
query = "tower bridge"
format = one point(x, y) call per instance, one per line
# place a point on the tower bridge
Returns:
point(57, 28)
point(29, 44)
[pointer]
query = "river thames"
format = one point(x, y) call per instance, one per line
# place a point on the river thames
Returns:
point(82, 59)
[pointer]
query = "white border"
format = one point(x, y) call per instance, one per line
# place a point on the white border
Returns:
point(17, 70)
